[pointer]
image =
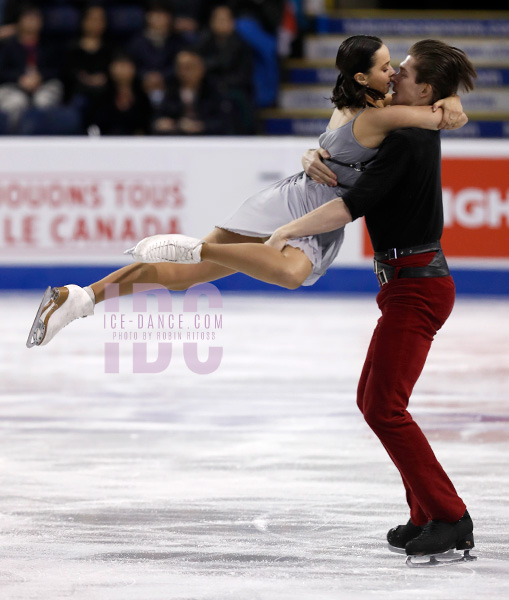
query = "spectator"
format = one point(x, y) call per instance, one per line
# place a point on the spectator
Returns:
point(228, 59)
point(29, 70)
point(190, 18)
point(155, 49)
point(88, 59)
point(7, 27)
point(258, 23)
point(192, 105)
point(126, 109)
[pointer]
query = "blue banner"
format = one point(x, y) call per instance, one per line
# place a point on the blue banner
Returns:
point(337, 280)
point(420, 27)
point(315, 127)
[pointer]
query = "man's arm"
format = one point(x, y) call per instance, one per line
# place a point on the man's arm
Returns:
point(316, 169)
point(330, 216)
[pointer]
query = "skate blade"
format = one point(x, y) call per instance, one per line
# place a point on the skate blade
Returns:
point(439, 560)
point(37, 324)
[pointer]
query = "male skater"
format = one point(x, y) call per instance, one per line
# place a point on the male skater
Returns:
point(401, 198)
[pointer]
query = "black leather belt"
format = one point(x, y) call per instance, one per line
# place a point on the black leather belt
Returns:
point(436, 268)
point(396, 253)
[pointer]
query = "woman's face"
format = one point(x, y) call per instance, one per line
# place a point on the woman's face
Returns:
point(222, 22)
point(122, 70)
point(94, 22)
point(379, 76)
point(190, 68)
point(159, 21)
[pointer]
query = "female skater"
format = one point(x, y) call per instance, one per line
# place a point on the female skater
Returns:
point(361, 120)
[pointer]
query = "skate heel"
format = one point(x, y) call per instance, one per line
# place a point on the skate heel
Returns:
point(466, 543)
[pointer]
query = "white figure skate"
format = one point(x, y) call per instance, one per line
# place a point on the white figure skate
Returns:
point(172, 248)
point(59, 306)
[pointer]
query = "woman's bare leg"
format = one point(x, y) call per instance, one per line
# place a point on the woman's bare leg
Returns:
point(224, 254)
point(172, 276)
point(288, 268)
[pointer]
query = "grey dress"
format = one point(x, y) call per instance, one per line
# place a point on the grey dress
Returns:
point(292, 197)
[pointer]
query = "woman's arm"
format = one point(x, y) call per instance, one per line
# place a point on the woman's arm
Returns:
point(453, 116)
point(373, 125)
point(328, 217)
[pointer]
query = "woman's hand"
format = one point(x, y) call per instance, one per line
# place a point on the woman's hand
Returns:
point(278, 239)
point(312, 163)
point(453, 117)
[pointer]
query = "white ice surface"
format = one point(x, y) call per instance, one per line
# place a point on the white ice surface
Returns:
point(257, 482)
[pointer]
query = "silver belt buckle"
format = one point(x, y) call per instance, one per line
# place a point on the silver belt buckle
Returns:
point(380, 273)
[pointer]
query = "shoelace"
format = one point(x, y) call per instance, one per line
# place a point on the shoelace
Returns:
point(429, 529)
point(180, 253)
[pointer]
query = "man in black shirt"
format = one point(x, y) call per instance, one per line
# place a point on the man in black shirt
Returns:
point(401, 198)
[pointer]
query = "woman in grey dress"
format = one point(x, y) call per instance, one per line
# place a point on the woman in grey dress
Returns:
point(359, 123)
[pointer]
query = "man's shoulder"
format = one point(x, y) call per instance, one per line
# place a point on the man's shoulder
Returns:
point(414, 133)
point(412, 137)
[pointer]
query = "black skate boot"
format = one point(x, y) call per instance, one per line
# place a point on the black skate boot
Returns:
point(437, 538)
point(399, 536)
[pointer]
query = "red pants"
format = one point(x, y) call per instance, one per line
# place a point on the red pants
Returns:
point(413, 310)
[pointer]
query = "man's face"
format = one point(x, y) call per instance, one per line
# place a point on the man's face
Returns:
point(31, 21)
point(190, 68)
point(159, 21)
point(404, 88)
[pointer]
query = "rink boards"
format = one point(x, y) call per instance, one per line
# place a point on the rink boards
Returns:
point(70, 207)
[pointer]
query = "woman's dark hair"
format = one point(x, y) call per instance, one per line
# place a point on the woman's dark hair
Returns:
point(355, 55)
point(444, 67)
point(27, 7)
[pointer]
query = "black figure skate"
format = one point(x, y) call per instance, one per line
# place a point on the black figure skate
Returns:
point(435, 546)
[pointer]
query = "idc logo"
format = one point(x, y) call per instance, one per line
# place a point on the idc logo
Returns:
point(195, 327)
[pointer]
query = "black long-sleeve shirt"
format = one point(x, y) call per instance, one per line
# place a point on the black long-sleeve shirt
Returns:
point(400, 193)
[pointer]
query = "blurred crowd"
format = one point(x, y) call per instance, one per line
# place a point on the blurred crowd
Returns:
point(166, 67)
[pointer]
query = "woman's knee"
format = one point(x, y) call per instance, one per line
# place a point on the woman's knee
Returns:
point(295, 269)
point(291, 277)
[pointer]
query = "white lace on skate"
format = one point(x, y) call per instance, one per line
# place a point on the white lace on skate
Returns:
point(167, 248)
point(58, 308)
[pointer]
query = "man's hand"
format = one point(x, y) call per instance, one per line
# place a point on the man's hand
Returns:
point(312, 162)
point(453, 117)
point(93, 79)
point(190, 126)
point(165, 125)
point(30, 81)
point(278, 239)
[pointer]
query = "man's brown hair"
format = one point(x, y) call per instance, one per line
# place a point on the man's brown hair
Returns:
point(446, 68)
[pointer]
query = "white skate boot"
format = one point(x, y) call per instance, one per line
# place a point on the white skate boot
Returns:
point(167, 248)
point(59, 306)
